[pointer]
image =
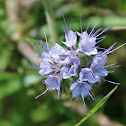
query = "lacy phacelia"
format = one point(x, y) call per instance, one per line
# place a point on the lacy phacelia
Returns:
point(58, 63)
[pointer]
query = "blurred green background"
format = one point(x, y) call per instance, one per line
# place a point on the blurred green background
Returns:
point(20, 19)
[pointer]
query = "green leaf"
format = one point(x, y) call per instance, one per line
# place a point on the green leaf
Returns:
point(97, 106)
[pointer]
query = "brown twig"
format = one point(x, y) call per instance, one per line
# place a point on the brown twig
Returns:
point(118, 28)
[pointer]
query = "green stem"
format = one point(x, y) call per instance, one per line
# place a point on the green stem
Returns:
point(97, 106)
point(50, 19)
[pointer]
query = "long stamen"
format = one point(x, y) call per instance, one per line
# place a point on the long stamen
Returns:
point(63, 29)
point(94, 97)
point(58, 94)
point(40, 43)
point(70, 26)
point(112, 65)
point(42, 93)
point(43, 46)
point(94, 27)
point(108, 50)
point(71, 98)
point(111, 81)
point(103, 31)
point(45, 37)
point(117, 48)
point(94, 35)
point(80, 24)
point(65, 22)
point(56, 71)
point(43, 82)
point(33, 66)
point(101, 37)
point(50, 38)
point(100, 48)
point(100, 40)
point(111, 71)
point(34, 45)
point(88, 92)
point(89, 24)
point(83, 100)
point(90, 95)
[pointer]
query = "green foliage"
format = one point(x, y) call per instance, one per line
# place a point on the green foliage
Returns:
point(19, 84)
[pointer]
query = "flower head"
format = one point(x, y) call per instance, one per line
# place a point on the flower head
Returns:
point(58, 63)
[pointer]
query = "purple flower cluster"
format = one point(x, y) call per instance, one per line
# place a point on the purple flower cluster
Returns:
point(58, 63)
